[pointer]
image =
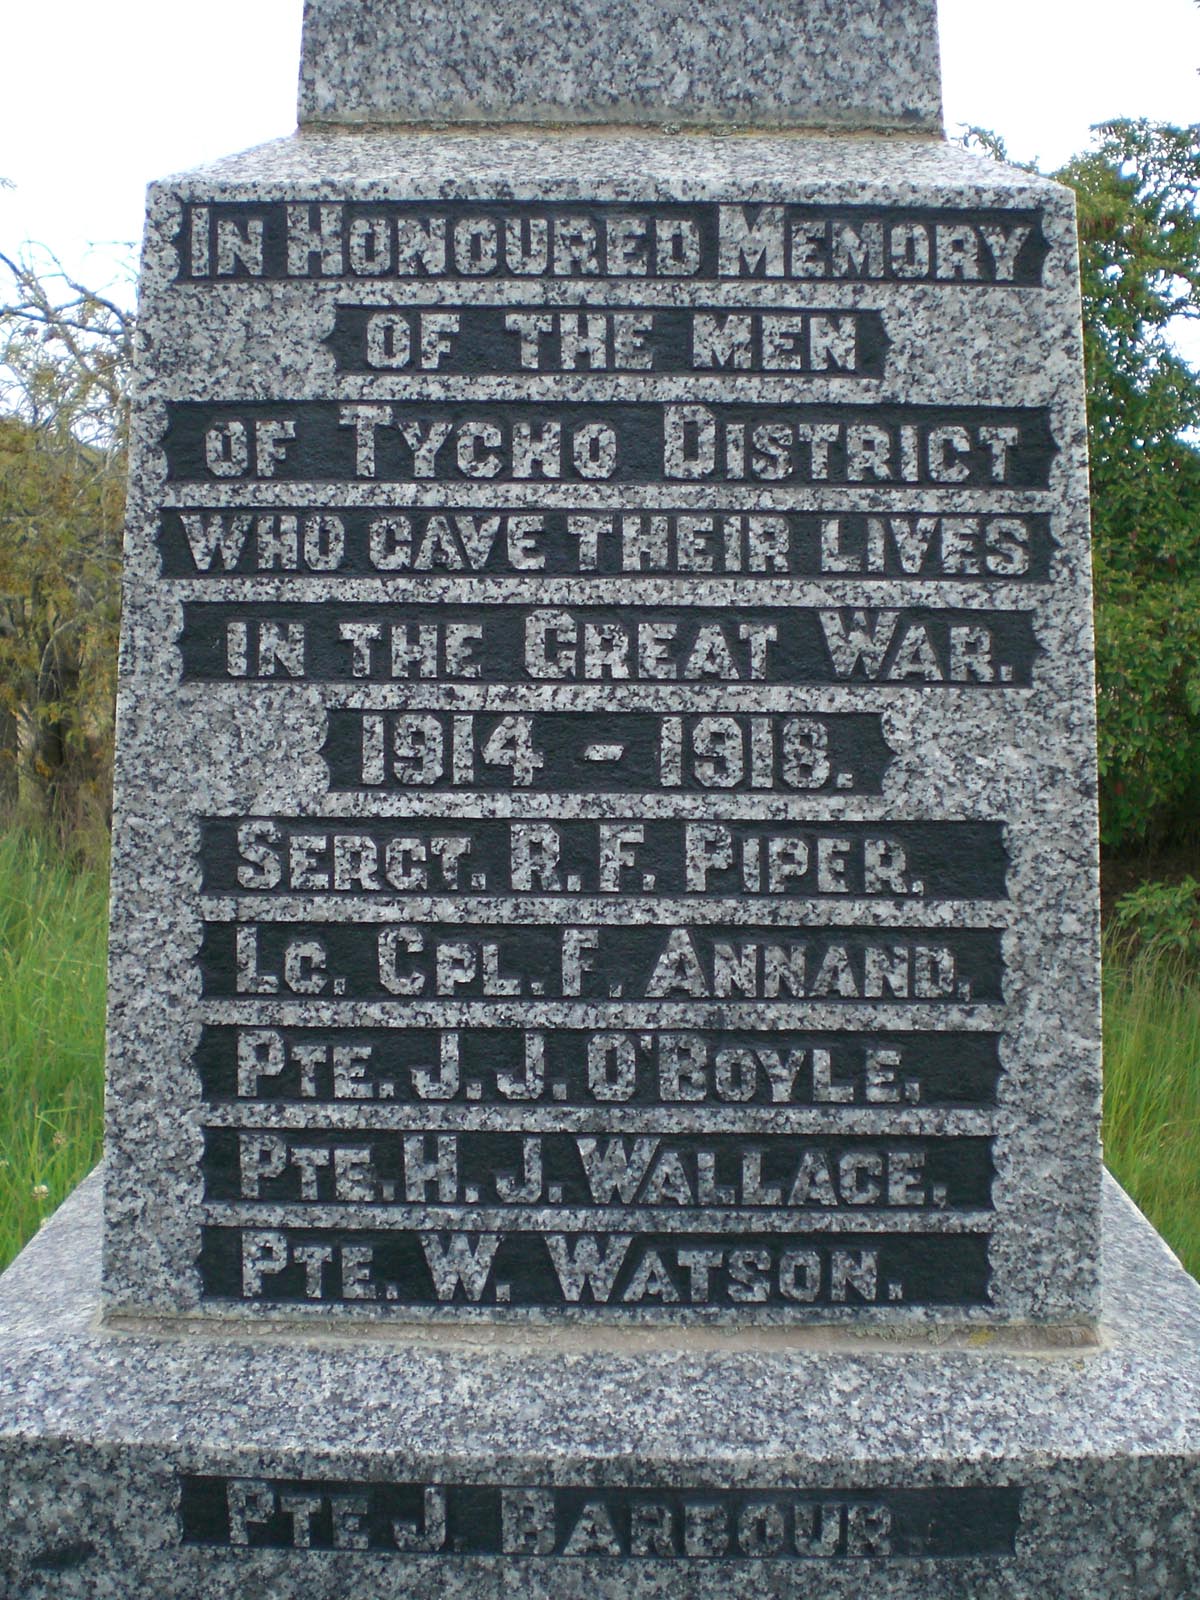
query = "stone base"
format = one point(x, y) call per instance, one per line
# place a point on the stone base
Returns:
point(193, 1465)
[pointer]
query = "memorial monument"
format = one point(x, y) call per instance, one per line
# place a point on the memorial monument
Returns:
point(604, 1009)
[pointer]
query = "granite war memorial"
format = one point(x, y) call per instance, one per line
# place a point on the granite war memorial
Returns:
point(604, 1051)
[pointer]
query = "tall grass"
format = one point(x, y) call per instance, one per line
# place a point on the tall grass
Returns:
point(1152, 1091)
point(52, 991)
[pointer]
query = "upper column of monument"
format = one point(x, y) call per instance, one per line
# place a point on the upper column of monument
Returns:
point(869, 64)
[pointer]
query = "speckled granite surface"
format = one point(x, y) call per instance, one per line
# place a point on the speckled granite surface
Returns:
point(856, 63)
point(121, 1454)
point(965, 415)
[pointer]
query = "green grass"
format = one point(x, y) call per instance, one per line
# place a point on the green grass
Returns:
point(52, 931)
point(1152, 1093)
point(52, 939)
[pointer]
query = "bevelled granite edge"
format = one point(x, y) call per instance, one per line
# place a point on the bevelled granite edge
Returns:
point(1136, 1389)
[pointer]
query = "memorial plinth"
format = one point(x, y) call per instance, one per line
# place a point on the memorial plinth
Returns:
point(604, 1040)
point(569, 1465)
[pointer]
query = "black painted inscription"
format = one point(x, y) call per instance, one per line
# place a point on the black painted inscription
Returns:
point(358, 542)
point(671, 1068)
point(931, 860)
point(478, 341)
point(593, 1271)
point(502, 1027)
point(413, 963)
point(595, 1171)
point(472, 240)
point(601, 752)
point(635, 1522)
point(475, 441)
point(512, 644)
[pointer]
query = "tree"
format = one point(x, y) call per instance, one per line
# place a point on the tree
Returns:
point(1139, 235)
point(65, 360)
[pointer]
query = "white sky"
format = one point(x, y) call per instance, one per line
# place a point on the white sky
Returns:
point(100, 98)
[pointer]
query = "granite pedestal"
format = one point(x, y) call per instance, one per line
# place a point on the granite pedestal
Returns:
point(202, 1465)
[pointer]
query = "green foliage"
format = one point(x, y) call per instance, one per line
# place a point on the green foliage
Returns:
point(1148, 685)
point(60, 519)
point(1160, 920)
point(52, 933)
point(65, 356)
point(1152, 1092)
point(1139, 234)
